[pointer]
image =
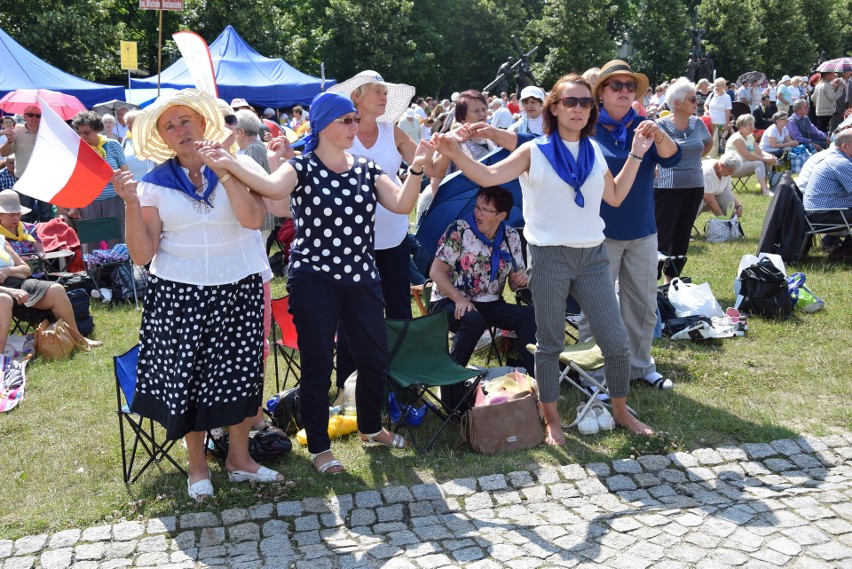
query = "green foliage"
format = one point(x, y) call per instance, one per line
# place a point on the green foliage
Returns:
point(661, 52)
point(734, 35)
point(783, 51)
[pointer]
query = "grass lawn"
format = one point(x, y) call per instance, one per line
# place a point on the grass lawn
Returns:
point(60, 463)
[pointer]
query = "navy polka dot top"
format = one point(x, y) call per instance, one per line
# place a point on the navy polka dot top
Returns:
point(334, 217)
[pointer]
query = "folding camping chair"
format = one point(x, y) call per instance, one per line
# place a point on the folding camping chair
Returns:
point(419, 362)
point(572, 311)
point(581, 359)
point(288, 344)
point(146, 436)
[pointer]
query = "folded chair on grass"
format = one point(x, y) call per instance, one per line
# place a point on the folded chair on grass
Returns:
point(581, 359)
point(420, 362)
point(287, 345)
point(146, 439)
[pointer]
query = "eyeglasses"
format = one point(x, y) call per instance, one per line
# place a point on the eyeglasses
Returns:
point(348, 120)
point(571, 102)
point(484, 209)
point(692, 99)
point(231, 120)
point(33, 115)
point(617, 86)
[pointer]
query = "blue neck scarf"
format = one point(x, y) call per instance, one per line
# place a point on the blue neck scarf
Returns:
point(496, 252)
point(573, 172)
point(169, 174)
point(326, 107)
point(619, 133)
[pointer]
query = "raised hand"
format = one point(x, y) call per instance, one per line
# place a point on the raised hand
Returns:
point(213, 155)
point(447, 145)
point(125, 185)
point(641, 143)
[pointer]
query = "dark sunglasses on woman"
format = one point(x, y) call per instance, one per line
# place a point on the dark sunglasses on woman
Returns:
point(571, 102)
point(617, 86)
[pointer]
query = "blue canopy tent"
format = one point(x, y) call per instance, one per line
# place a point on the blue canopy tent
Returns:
point(455, 199)
point(242, 72)
point(23, 70)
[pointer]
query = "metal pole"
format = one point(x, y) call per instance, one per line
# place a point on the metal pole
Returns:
point(159, 50)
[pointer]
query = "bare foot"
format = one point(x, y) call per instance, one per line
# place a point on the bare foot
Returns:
point(553, 435)
point(632, 424)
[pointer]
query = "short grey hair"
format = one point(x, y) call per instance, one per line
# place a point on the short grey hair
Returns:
point(248, 122)
point(779, 116)
point(798, 104)
point(679, 90)
point(745, 119)
point(843, 137)
point(731, 160)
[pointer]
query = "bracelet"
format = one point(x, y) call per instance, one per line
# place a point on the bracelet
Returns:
point(635, 157)
point(415, 172)
point(225, 178)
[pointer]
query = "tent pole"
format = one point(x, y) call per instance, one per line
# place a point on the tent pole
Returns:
point(159, 50)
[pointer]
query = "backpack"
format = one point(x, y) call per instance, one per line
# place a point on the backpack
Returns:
point(263, 445)
point(764, 290)
point(80, 302)
point(286, 410)
point(122, 282)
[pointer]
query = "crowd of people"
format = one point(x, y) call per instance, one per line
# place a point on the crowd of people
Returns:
point(613, 172)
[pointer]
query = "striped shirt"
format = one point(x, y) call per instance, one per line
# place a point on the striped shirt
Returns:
point(830, 183)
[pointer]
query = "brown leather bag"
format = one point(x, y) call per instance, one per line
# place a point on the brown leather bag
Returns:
point(505, 427)
point(57, 340)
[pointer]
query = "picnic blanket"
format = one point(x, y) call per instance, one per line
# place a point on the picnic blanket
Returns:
point(13, 382)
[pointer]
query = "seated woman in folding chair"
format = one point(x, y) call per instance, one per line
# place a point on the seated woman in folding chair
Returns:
point(564, 178)
point(475, 257)
point(20, 235)
point(16, 288)
point(755, 160)
point(332, 275)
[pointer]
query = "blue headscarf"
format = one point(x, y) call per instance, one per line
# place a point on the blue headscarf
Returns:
point(496, 252)
point(619, 133)
point(324, 109)
point(169, 174)
point(573, 172)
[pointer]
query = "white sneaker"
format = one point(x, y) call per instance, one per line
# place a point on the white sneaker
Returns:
point(588, 424)
point(603, 416)
point(106, 294)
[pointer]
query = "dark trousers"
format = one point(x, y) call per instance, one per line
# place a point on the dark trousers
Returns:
point(41, 211)
point(499, 313)
point(830, 217)
point(675, 214)
point(318, 305)
point(393, 265)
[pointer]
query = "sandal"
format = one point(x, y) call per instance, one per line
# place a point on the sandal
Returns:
point(398, 440)
point(332, 466)
point(199, 491)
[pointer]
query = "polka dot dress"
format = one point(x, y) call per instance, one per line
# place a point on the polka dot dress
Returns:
point(334, 216)
point(201, 353)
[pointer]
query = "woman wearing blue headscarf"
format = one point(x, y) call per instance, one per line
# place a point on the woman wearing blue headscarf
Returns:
point(564, 179)
point(332, 275)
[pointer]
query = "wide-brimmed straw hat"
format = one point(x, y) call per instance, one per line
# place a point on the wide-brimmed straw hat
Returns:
point(619, 67)
point(399, 94)
point(148, 143)
point(10, 202)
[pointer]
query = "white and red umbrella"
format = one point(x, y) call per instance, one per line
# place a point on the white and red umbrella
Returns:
point(838, 65)
point(66, 106)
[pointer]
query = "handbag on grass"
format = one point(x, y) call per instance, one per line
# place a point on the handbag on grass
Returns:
point(57, 340)
point(504, 427)
point(723, 230)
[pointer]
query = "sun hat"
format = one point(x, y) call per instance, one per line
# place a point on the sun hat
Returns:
point(10, 202)
point(786, 78)
point(149, 145)
point(532, 91)
point(619, 67)
point(410, 113)
point(240, 103)
point(399, 94)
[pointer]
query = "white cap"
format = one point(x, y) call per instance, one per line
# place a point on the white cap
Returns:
point(785, 78)
point(532, 91)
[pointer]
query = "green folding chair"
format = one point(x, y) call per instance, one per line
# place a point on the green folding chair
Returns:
point(420, 362)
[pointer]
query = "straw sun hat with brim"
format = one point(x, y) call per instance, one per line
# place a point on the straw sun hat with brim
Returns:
point(399, 94)
point(619, 67)
point(10, 202)
point(148, 143)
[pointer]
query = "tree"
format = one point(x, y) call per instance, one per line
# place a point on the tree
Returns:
point(661, 52)
point(824, 20)
point(734, 35)
point(783, 51)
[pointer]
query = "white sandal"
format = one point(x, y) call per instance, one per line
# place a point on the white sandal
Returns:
point(588, 424)
point(199, 491)
point(326, 466)
point(397, 442)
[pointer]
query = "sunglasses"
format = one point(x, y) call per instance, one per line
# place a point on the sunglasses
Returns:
point(348, 120)
point(617, 86)
point(32, 115)
point(231, 120)
point(571, 102)
point(692, 99)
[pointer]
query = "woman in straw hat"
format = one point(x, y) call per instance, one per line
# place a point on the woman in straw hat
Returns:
point(631, 230)
point(565, 179)
point(380, 104)
point(16, 288)
point(332, 275)
point(200, 360)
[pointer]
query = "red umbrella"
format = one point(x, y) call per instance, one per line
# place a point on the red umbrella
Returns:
point(66, 106)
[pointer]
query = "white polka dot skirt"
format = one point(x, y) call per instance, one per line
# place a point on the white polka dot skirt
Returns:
point(201, 355)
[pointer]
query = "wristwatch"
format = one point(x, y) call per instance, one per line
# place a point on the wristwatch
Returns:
point(411, 170)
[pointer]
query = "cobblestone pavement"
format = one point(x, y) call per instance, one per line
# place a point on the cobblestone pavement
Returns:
point(783, 504)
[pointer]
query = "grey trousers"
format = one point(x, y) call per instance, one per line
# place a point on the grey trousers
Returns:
point(555, 273)
point(633, 266)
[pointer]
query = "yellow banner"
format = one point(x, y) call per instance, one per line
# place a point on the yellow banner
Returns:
point(128, 55)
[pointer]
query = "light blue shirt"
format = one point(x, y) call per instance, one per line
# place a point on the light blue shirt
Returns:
point(830, 183)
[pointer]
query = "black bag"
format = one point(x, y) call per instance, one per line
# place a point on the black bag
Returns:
point(674, 325)
point(122, 282)
point(286, 410)
point(73, 281)
point(764, 291)
point(80, 302)
point(263, 445)
point(664, 305)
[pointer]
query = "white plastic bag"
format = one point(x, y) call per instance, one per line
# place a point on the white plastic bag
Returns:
point(691, 299)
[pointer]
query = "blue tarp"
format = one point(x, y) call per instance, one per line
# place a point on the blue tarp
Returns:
point(20, 69)
point(242, 72)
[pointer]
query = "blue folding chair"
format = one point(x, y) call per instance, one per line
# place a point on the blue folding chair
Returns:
point(146, 439)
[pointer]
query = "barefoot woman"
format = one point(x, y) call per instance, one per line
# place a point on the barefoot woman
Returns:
point(564, 178)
